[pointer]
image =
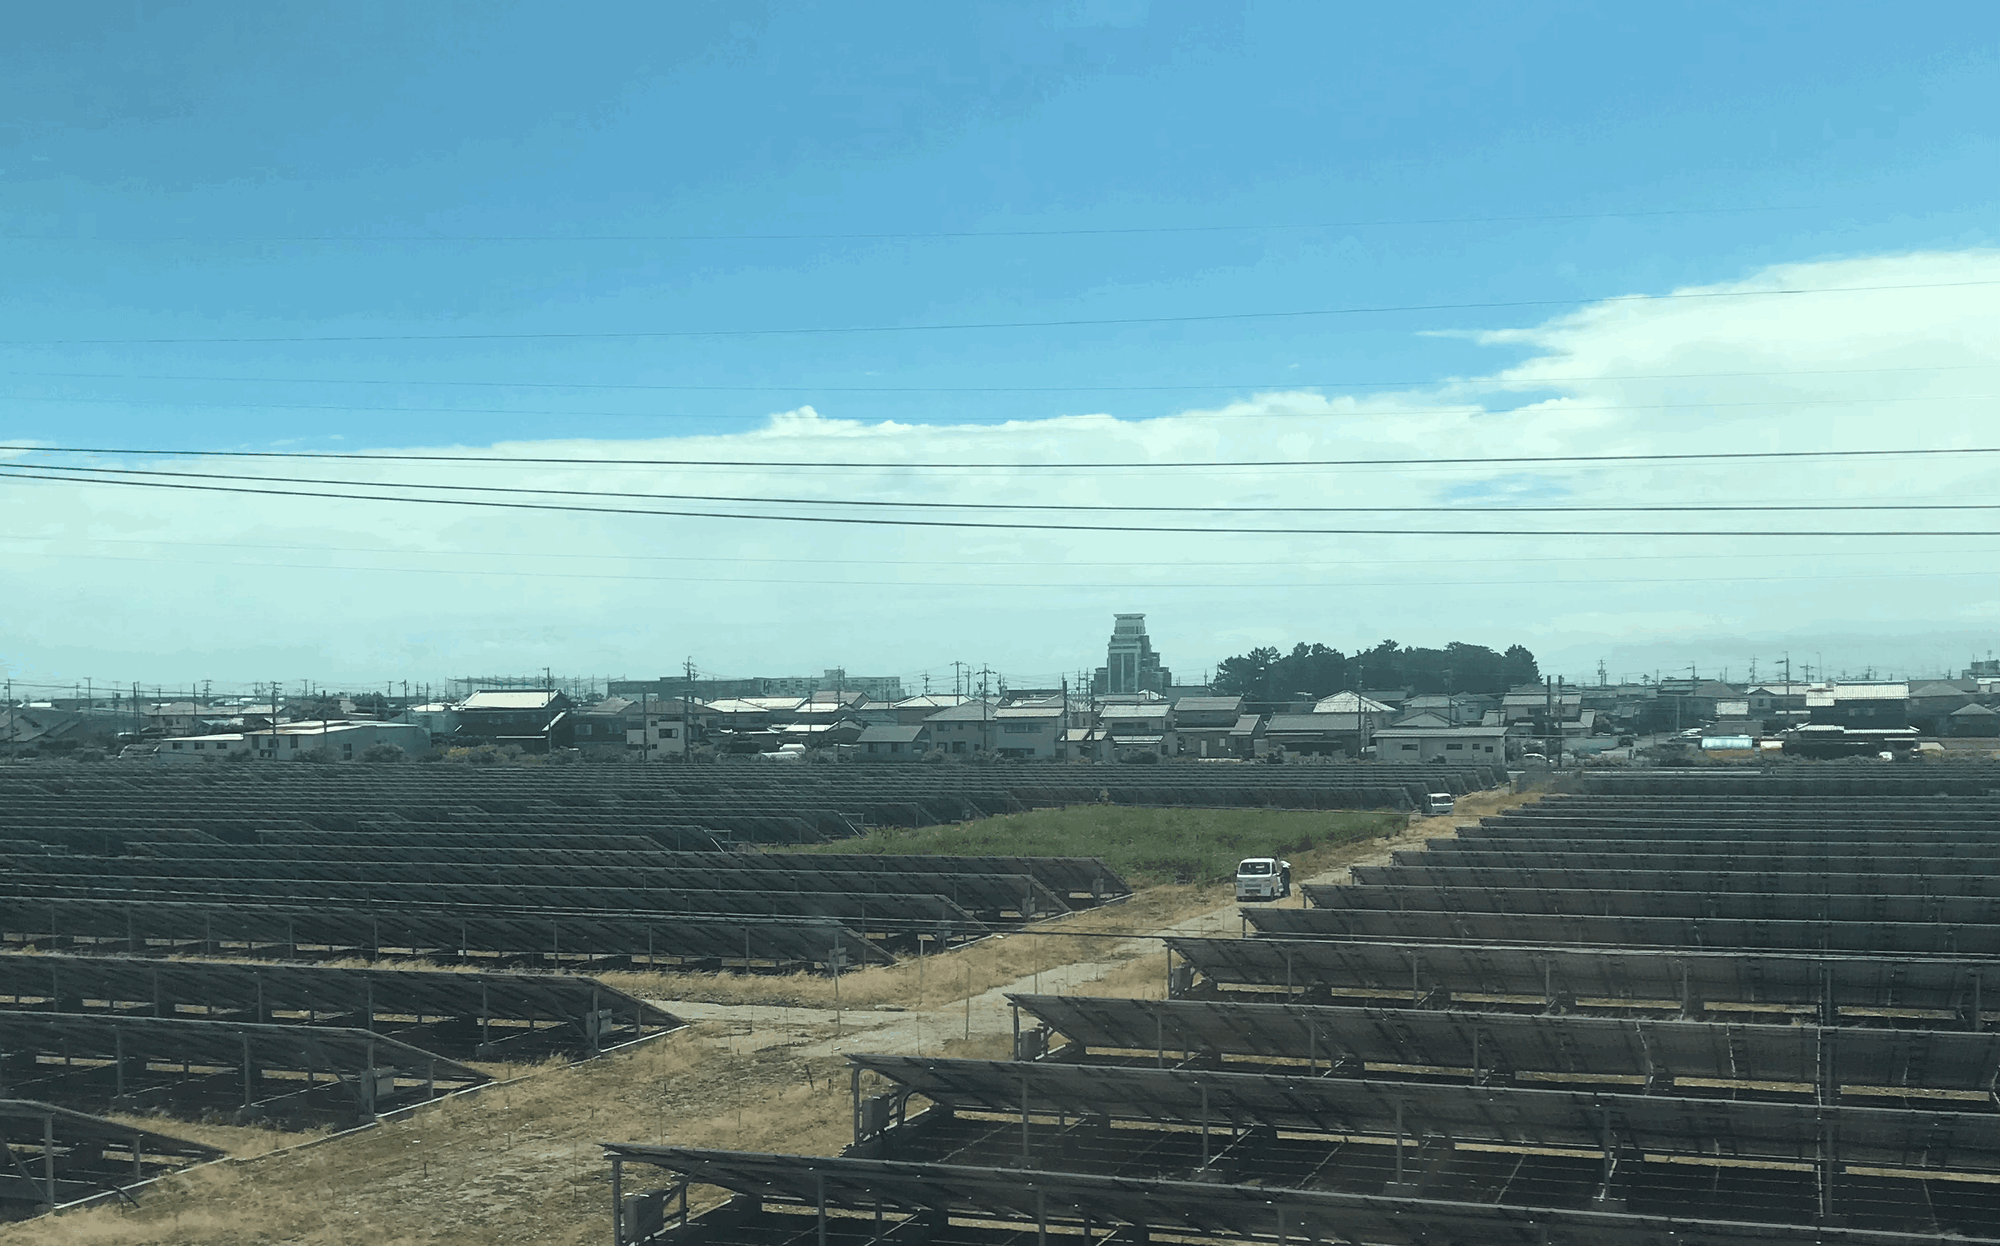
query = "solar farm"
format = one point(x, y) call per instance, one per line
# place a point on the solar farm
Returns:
point(1667, 1009)
point(314, 948)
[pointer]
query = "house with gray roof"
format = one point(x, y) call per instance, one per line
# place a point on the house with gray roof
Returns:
point(1202, 725)
point(892, 742)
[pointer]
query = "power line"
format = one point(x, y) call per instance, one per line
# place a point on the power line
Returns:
point(1067, 507)
point(909, 235)
point(867, 521)
point(1071, 323)
point(1497, 383)
point(1358, 413)
point(1482, 460)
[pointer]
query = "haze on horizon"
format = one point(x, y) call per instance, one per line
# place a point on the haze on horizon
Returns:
point(917, 265)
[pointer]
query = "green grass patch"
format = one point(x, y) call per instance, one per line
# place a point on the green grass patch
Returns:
point(1145, 846)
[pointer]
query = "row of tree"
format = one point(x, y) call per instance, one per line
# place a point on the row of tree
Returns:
point(1316, 671)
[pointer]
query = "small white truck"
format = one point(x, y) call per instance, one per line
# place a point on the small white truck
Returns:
point(1263, 878)
point(1435, 804)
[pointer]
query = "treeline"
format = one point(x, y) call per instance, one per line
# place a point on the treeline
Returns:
point(1316, 671)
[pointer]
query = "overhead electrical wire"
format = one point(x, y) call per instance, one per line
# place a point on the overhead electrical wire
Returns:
point(1503, 384)
point(985, 524)
point(1068, 323)
point(1146, 465)
point(89, 474)
point(1357, 413)
point(912, 235)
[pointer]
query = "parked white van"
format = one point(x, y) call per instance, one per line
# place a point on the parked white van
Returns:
point(1263, 878)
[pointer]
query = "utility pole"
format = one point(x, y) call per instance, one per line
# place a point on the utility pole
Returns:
point(1549, 720)
point(687, 710)
point(985, 710)
point(957, 678)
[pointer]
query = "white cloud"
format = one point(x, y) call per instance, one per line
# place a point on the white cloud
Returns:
point(246, 588)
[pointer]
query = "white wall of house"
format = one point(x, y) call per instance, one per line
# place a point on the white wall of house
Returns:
point(656, 738)
point(184, 749)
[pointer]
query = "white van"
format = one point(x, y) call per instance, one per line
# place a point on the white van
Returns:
point(1435, 804)
point(1263, 878)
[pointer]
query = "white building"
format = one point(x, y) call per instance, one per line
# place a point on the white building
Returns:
point(331, 740)
point(1029, 730)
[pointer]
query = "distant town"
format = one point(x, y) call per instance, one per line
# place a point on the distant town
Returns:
point(1465, 704)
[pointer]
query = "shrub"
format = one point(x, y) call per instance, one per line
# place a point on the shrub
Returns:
point(382, 753)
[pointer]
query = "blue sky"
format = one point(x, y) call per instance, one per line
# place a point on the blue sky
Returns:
point(210, 171)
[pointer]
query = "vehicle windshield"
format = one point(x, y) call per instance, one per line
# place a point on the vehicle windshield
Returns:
point(1254, 867)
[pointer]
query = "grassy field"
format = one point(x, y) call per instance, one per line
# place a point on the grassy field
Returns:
point(1147, 847)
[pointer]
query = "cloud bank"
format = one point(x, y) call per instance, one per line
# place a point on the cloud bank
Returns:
point(140, 584)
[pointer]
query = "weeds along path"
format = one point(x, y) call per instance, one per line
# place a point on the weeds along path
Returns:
point(762, 1068)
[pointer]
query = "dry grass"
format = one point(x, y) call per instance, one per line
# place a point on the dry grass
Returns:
point(1145, 846)
point(991, 963)
point(512, 1162)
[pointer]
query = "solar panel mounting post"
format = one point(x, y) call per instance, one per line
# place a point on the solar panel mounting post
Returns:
point(1024, 1120)
point(819, 1198)
point(1399, 1142)
point(1204, 1124)
point(617, 1201)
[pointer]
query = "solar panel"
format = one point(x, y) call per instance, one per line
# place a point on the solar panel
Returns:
point(1888, 938)
point(1554, 975)
point(1463, 1044)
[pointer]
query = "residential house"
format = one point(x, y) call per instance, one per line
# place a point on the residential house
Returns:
point(1451, 745)
point(321, 740)
point(1532, 703)
point(1243, 737)
point(741, 714)
point(1776, 701)
point(1129, 728)
point(1873, 706)
point(912, 710)
point(1691, 702)
point(1030, 731)
point(1318, 734)
point(1933, 701)
point(892, 742)
point(965, 728)
point(176, 717)
point(533, 719)
point(440, 718)
point(1460, 709)
point(1972, 719)
point(1202, 725)
point(1082, 744)
point(1423, 720)
point(217, 746)
point(1355, 703)
point(843, 730)
point(598, 730)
